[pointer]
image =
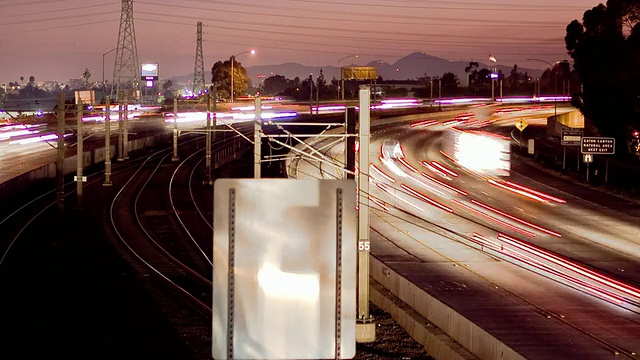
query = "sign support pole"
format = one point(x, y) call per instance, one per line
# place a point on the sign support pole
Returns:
point(365, 327)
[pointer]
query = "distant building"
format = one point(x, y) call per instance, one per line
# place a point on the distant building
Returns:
point(76, 83)
point(50, 86)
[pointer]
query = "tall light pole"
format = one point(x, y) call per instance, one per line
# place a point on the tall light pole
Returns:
point(103, 55)
point(341, 77)
point(555, 87)
point(233, 59)
point(495, 71)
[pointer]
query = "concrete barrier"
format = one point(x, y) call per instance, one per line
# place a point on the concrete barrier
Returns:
point(468, 335)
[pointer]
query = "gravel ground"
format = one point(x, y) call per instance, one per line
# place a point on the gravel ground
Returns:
point(392, 342)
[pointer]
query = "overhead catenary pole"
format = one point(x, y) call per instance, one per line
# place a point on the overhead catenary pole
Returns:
point(120, 131)
point(79, 157)
point(257, 142)
point(125, 135)
point(175, 130)
point(207, 98)
point(107, 143)
point(60, 153)
point(311, 94)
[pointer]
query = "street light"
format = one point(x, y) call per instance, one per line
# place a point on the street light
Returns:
point(103, 55)
point(555, 86)
point(233, 59)
point(341, 78)
point(493, 75)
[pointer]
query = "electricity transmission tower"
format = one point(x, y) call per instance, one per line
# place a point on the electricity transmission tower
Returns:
point(198, 72)
point(126, 72)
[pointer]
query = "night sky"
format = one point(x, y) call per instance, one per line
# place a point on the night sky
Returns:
point(58, 39)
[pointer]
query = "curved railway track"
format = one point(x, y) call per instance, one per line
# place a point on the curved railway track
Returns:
point(166, 248)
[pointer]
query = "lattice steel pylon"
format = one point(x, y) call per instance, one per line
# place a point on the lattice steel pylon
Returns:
point(126, 72)
point(198, 72)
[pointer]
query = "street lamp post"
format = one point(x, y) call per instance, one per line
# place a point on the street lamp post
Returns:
point(103, 55)
point(555, 106)
point(341, 77)
point(555, 86)
point(233, 59)
point(495, 71)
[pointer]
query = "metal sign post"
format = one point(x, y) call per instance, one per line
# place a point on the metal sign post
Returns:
point(521, 125)
point(570, 137)
point(365, 325)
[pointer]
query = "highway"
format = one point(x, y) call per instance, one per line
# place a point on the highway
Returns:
point(539, 275)
point(547, 274)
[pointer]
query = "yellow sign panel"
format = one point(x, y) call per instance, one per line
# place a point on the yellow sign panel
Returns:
point(359, 73)
point(521, 124)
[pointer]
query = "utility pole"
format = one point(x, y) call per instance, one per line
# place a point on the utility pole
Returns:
point(107, 144)
point(79, 157)
point(257, 141)
point(60, 153)
point(198, 72)
point(431, 86)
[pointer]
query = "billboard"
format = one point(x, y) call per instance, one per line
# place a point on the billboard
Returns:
point(149, 71)
point(86, 96)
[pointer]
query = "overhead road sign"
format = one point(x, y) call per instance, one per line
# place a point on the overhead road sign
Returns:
point(359, 73)
point(598, 145)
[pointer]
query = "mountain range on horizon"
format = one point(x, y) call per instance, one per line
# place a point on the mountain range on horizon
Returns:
point(410, 67)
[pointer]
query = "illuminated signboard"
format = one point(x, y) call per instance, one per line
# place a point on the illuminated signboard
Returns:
point(149, 71)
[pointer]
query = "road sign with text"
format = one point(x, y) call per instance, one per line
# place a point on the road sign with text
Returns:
point(598, 145)
point(571, 137)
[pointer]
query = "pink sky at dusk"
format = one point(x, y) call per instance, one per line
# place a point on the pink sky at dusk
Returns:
point(58, 39)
